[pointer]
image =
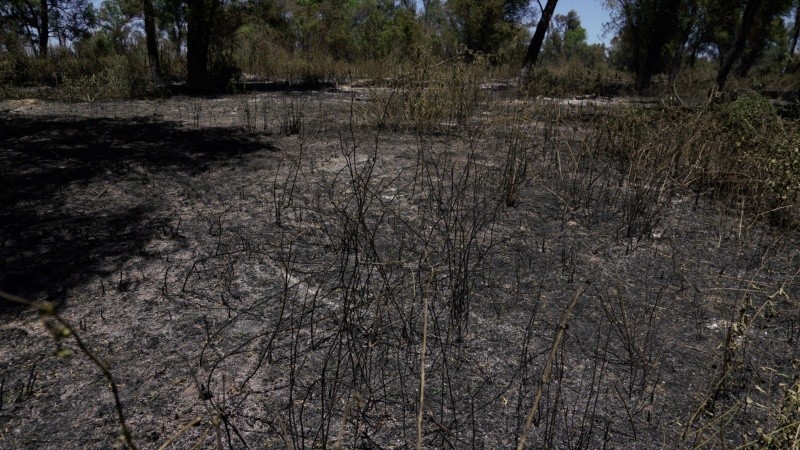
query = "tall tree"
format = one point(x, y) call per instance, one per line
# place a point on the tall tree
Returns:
point(44, 27)
point(532, 55)
point(795, 29)
point(383, 28)
point(573, 31)
point(72, 20)
point(767, 35)
point(151, 39)
point(210, 40)
point(647, 30)
point(116, 21)
point(567, 38)
point(710, 28)
point(171, 17)
point(795, 36)
point(40, 20)
point(684, 43)
point(749, 15)
point(487, 26)
point(197, 43)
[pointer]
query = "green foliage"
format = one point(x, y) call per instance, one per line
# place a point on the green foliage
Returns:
point(12, 61)
point(750, 116)
point(6, 71)
point(115, 19)
point(388, 31)
point(767, 38)
point(357, 30)
point(646, 30)
point(313, 40)
point(262, 53)
point(752, 125)
point(570, 66)
point(171, 18)
point(574, 35)
point(657, 36)
point(69, 20)
point(111, 77)
point(491, 27)
point(567, 77)
point(567, 41)
point(92, 71)
point(742, 150)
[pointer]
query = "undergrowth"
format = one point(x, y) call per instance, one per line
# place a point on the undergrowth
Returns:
point(741, 151)
point(427, 95)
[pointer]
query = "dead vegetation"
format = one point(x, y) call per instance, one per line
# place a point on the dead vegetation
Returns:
point(380, 268)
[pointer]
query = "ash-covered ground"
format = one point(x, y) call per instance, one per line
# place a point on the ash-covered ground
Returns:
point(272, 267)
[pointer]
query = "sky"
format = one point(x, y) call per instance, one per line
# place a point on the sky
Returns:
point(593, 16)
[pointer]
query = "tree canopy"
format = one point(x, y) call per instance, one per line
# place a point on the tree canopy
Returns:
point(205, 39)
point(659, 36)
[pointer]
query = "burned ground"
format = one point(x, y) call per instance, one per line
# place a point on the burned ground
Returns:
point(263, 262)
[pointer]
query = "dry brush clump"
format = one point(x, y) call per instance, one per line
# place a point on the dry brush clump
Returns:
point(428, 95)
point(742, 155)
point(89, 73)
point(741, 151)
point(574, 77)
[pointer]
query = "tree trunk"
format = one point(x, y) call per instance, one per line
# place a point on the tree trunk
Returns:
point(532, 55)
point(794, 38)
point(677, 63)
point(748, 17)
point(649, 65)
point(746, 62)
point(197, 45)
point(152, 42)
point(685, 44)
point(44, 27)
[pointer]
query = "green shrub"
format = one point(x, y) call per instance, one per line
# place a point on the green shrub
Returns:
point(7, 71)
point(741, 150)
point(749, 116)
point(113, 77)
point(769, 147)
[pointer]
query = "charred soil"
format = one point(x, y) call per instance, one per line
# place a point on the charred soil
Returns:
point(275, 264)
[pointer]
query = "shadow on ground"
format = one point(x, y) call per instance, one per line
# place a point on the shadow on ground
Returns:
point(47, 243)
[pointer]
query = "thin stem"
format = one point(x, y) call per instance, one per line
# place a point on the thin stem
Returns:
point(562, 328)
point(47, 309)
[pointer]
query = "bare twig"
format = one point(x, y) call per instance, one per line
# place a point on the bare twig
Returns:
point(47, 310)
point(562, 328)
point(183, 429)
point(422, 350)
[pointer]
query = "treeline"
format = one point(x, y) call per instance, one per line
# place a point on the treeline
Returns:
point(210, 42)
point(663, 36)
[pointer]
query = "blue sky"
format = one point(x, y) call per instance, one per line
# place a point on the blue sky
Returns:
point(593, 16)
